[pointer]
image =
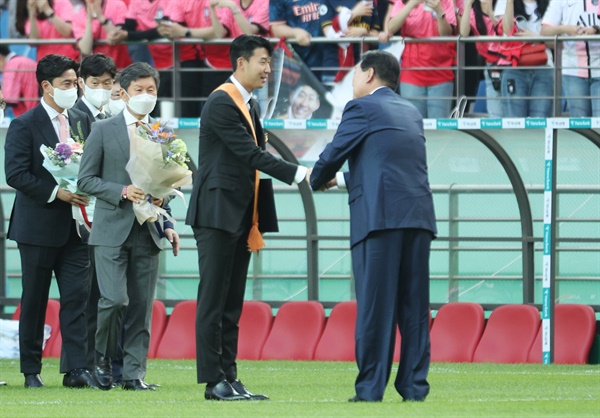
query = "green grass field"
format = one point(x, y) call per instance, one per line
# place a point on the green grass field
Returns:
point(317, 389)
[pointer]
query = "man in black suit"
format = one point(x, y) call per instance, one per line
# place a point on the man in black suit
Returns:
point(392, 223)
point(223, 212)
point(96, 78)
point(42, 224)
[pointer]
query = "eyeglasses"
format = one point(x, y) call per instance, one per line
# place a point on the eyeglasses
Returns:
point(2, 105)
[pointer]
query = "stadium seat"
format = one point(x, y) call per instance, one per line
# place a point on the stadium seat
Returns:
point(574, 330)
point(179, 339)
point(52, 319)
point(456, 332)
point(296, 332)
point(337, 342)
point(508, 335)
point(159, 323)
point(255, 324)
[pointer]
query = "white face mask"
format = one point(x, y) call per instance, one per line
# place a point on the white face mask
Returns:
point(64, 98)
point(97, 97)
point(1, 116)
point(116, 106)
point(142, 104)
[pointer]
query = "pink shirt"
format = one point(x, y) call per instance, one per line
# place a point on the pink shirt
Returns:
point(257, 13)
point(144, 12)
point(196, 14)
point(115, 10)
point(19, 82)
point(422, 24)
point(484, 47)
point(64, 10)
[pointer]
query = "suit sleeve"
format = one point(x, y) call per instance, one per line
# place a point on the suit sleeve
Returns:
point(232, 131)
point(19, 159)
point(90, 170)
point(353, 129)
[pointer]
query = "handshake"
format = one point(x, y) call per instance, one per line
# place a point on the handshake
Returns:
point(331, 183)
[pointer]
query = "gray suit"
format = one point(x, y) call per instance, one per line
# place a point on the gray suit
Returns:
point(126, 287)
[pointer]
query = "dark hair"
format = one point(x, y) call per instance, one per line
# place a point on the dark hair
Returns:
point(4, 50)
point(117, 79)
point(519, 8)
point(136, 71)
point(479, 22)
point(53, 66)
point(244, 46)
point(22, 15)
point(384, 64)
point(97, 64)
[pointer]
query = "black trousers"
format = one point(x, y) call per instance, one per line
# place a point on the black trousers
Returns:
point(70, 264)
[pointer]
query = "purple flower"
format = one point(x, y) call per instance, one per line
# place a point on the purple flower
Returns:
point(64, 151)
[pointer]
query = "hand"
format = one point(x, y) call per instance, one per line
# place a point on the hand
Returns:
point(173, 238)
point(171, 30)
point(302, 37)
point(32, 6)
point(362, 8)
point(157, 202)
point(586, 31)
point(116, 36)
point(526, 33)
point(331, 183)
point(356, 32)
point(43, 6)
point(226, 3)
point(435, 5)
point(308, 173)
point(72, 198)
point(134, 194)
point(384, 37)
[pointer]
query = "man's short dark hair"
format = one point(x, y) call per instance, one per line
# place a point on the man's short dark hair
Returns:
point(4, 50)
point(136, 71)
point(53, 66)
point(97, 64)
point(384, 64)
point(244, 46)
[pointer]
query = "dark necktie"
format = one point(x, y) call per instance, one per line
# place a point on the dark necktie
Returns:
point(101, 116)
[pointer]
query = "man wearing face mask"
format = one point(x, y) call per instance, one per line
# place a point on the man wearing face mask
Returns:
point(96, 77)
point(125, 252)
point(42, 224)
point(116, 104)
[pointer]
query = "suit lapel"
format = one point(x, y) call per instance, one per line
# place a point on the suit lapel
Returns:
point(44, 126)
point(119, 130)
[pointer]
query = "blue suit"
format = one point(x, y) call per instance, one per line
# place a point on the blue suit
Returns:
point(392, 223)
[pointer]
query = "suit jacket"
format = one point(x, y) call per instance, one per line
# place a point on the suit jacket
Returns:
point(381, 136)
point(228, 157)
point(33, 220)
point(102, 174)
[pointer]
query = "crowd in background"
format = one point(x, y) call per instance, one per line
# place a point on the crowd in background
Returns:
point(519, 76)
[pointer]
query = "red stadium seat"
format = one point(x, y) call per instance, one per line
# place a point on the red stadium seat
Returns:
point(179, 339)
point(574, 330)
point(337, 342)
point(508, 335)
point(456, 332)
point(159, 323)
point(52, 319)
point(296, 332)
point(255, 324)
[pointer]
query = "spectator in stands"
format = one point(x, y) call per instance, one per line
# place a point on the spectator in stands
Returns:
point(352, 19)
point(95, 22)
point(193, 20)
point(524, 18)
point(304, 101)
point(116, 104)
point(18, 79)
point(251, 17)
point(479, 20)
point(580, 59)
point(429, 90)
point(42, 224)
point(392, 224)
point(301, 20)
point(141, 24)
point(47, 19)
point(96, 76)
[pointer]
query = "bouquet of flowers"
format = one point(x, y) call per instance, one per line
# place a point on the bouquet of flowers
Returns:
point(157, 165)
point(62, 162)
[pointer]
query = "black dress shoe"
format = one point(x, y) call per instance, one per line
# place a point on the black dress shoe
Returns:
point(103, 372)
point(33, 381)
point(241, 389)
point(357, 399)
point(3, 383)
point(223, 391)
point(136, 384)
point(79, 378)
